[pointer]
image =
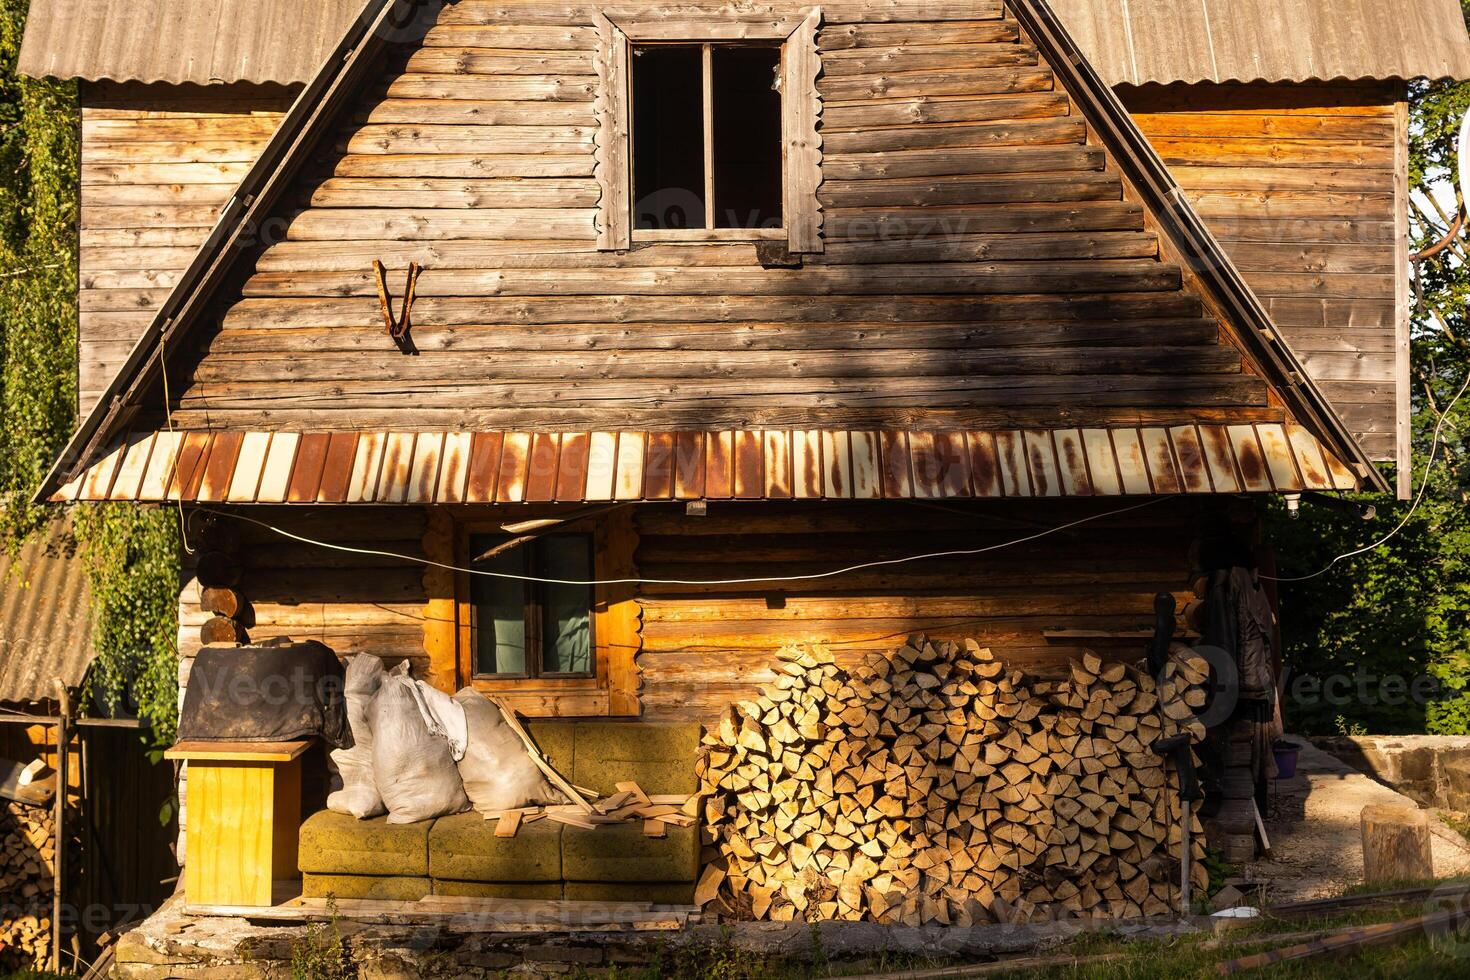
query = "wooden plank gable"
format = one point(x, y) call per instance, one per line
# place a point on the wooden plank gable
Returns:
point(988, 265)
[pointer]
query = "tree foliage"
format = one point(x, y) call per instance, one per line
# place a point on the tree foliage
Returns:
point(1396, 621)
point(132, 555)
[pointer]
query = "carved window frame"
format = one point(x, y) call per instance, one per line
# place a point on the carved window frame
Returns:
point(795, 28)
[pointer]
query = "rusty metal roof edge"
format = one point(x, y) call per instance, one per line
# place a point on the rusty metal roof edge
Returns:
point(1190, 236)
point(45, 616)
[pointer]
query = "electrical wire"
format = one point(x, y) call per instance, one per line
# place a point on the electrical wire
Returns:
point(775, 579)
point(1419, 499)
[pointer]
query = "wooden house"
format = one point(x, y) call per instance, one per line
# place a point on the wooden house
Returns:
point(744, 294)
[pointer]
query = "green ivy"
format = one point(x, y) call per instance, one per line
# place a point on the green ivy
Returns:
point(39, 147)
point(131, 555)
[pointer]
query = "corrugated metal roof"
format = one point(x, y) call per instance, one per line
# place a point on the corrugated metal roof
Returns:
point(45, 617)
point(177, 41)
point(1141, 41)
point(769, 464)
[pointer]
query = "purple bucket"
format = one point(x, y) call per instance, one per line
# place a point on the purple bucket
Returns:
point(1285, 754)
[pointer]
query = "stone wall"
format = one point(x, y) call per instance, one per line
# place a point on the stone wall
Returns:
point(1433, 770)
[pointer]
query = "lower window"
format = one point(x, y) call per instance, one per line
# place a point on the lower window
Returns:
point(533, 629)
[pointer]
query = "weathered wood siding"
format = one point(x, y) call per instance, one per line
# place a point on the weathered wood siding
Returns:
point(982, 264)
point(1300, 184)
point(158, 162)
point(704, 646)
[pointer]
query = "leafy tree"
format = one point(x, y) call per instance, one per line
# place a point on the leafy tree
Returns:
point(131, 555)
point(1400, 613)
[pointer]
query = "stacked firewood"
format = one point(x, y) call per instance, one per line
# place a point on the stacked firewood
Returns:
point(933, 785)
point(27, 857)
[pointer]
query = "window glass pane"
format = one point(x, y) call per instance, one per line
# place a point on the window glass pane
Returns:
point(668, 137)
point(567, 608)
point(747, 137)
point(500, 609)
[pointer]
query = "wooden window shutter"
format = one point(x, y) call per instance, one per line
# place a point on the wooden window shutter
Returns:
point(613, 162)
point(800, 66)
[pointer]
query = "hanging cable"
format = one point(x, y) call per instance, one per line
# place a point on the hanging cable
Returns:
point(1418, 499)
point(775, 579)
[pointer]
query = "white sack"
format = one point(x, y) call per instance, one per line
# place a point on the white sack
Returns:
point(498, 773)
point(443, 715)
point(415, 768)
point(359, 792)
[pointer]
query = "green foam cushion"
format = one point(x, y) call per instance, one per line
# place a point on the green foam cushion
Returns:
point(541, 890)
point(659, 757)
point(622, 853)
point(464, 848)
point(340, 844)
point(659, 893)
point(554, 739)
point(364, 886)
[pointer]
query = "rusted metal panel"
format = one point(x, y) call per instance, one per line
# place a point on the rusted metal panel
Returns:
point(1191, 455)
point(515, 462)
point(1342, 477)
point(602, 465)
point(195, 444)
point(689, 466)
point(1309, 459)
point(836, 466)
point(1010, 449)
point(367, 466)
point(1041, 461)
point(776, 463)
point(337, 469)
point(571, 472)
point(484, 467)
point(746, 466)
point(423, 480)
point(245, 483)
point(806, 464)
point(542, 465)
point(454, 473)
point(99, 478)
point(658, 467)
point(1220, 459)
point(984, 465)
point(867, 480)
point(1159, 456)
point(628, 482)
point(311, 459)
point(719, 467)
point(1132, 464)
point(952, 459)
point(896, 466)
point(397, 462)
point(1102, 462)
point(154, 485)
point(183, 41)
point(280, 460)
point(1280, 460)
point(1072, 463)
point(134, 464)
point(1248, 456)
point(1168, 41)
point(221, 468)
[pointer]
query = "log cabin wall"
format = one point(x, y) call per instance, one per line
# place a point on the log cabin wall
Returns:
point(1306, 187)
point(1035, 605)
point(158, 162)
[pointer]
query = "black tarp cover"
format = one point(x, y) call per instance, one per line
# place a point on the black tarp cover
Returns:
point(275, 691)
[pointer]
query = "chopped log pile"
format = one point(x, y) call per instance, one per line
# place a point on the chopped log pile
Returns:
point(27, 867)
point(932, 785)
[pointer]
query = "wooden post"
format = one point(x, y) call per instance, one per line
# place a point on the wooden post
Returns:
point(1396, 844)
point(63, 737)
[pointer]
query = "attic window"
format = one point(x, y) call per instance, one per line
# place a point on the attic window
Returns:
point(707, 129)
point(706, 137)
